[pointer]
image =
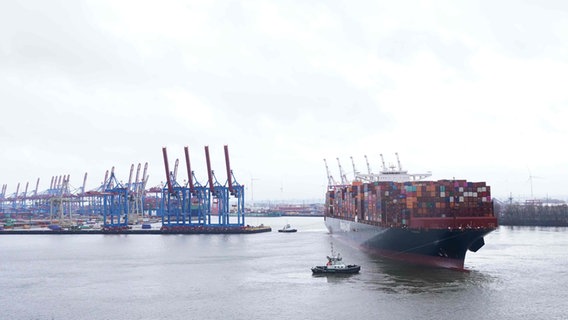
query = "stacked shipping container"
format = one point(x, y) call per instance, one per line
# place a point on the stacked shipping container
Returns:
point(395, 204)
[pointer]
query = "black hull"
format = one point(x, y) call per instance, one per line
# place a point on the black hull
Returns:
point(433, 247)
point(350, 269)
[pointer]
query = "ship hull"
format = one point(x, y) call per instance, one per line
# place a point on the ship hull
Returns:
point(444, 248)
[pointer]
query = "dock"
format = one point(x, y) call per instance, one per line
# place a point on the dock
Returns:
point(186, 230)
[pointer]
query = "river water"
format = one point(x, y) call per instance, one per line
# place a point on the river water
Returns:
point(521, 273)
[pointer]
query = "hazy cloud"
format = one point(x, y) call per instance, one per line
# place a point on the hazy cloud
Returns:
point(468, 90)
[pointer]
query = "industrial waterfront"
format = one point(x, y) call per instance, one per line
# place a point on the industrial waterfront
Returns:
point(187, 207)
point(267, 275)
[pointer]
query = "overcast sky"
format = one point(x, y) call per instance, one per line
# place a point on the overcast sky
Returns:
point(467, 90)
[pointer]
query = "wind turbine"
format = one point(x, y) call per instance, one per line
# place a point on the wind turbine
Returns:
point(531, 177)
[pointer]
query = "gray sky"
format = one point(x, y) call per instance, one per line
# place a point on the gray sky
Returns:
point(465, 89)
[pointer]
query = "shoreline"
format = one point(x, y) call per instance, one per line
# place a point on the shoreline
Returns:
point(193, 230)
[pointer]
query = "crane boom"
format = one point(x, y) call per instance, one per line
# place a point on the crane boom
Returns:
point(66, 184)
point(368, 166)
point(111, 180)
point(330, 180)
point(188, 165)
point(36, 188)
point(145, 170)
point(137, 179)
point(144, 182)
point(228, 165)
point(327, 173)
point(129, 186)
point(167, 167)
point(176, 169)
point(105, 180)
point(342, 175)
point(84, 183)
point(354, 170)
point(209, 172)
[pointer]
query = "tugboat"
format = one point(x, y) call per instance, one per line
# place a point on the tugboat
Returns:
point(335, 265)
point(287, 228)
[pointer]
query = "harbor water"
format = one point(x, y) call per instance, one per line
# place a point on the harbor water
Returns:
point(521, 273)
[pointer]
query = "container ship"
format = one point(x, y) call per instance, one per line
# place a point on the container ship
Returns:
point(404, 217)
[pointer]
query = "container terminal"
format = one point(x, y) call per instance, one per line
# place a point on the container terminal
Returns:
point(116, 208)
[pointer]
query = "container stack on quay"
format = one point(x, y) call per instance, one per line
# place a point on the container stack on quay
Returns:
point(394, 204)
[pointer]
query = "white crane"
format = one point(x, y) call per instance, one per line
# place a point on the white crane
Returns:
point(368, 166)
point(390, 174)
point(355, 173)
point(398, 161)
point(343, 177)
point(330, 180)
